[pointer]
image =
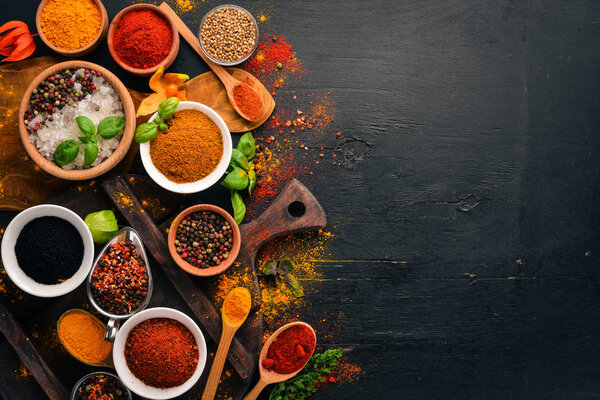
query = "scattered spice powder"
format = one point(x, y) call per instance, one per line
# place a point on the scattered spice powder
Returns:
point(190, 149)
point(70, 24)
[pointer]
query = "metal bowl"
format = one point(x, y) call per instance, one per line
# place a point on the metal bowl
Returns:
point(112, 326)
point(74, 391)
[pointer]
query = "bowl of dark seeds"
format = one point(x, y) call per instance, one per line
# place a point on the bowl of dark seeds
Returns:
point(204, 240)
point(100, 385)
point(47, 250)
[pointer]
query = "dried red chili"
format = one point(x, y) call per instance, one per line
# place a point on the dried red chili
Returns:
point(142, 39)
point(248, 101)
point(290, 350)
point(161, 352)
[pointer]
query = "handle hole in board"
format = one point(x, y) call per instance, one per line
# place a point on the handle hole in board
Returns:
point(297, 209)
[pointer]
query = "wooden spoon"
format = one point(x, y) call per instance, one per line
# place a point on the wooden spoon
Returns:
point(107, 362)
point(229, 329)
point(268, 377)
point(228, 81)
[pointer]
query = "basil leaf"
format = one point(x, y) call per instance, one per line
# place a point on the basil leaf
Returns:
point(239, 208)
point(90, 153)
point(284, 266)
point(247, 145)
point(251, 181)
point(93, 139)
point(102, 224)
point(236, 179)
point(270, 268)
point(85, 125)
point(110, 127)
point(238, 158)
point(168, 107)
point(163, 127)
point(66, 152)
point(84, 139)
point(146, 132)
point(295, 289)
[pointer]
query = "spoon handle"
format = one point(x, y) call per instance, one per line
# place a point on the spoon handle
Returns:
point(217, 367)
point(256, 391)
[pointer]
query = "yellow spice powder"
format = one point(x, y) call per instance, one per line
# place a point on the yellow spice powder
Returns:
point(70, 24)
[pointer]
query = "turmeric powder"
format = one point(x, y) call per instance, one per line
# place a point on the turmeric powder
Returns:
point(83, 337)
point(237, 305)
point(71, 24)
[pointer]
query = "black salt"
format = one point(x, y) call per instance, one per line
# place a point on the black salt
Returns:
point(49, 250)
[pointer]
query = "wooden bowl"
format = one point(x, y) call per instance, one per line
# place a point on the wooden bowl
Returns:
point(80, 174)
point(84, 50)
point(148, 71)
point(210, 271)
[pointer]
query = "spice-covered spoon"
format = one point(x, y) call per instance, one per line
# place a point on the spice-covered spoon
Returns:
point(236, 307)
point(268, 377)
point(232, 85)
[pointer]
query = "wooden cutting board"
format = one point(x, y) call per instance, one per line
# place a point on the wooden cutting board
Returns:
point(23, 184)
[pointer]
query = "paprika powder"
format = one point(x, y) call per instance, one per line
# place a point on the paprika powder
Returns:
point(248, 101)
point(142, 39)
point(290, 350)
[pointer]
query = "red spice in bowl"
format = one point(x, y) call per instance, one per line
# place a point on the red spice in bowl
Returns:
point(161, 352)
point(142, 39)
point(290, 350)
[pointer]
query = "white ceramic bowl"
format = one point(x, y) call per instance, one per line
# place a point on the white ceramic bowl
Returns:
point(207, 181)
point(136, 385)
point(9, 258)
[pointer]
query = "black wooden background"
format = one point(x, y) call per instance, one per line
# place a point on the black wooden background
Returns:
point(466, 218)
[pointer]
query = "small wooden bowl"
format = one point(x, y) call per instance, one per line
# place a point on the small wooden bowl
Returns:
point(148, 71)
point(84, 50)
point(210, 271)
point(80, 174)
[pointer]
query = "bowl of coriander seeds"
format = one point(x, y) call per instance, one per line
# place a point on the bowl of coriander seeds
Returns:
point(228, 34)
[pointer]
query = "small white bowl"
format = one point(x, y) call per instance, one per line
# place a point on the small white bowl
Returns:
point(207, 181)
point(136, 385)
point(9, 258)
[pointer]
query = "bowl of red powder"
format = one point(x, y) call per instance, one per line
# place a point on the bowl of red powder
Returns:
point(159, 353)
point(141, 39)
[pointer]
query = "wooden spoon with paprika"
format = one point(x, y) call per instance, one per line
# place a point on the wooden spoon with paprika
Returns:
point(244, 99)
point(268, 377)
point(236, 307)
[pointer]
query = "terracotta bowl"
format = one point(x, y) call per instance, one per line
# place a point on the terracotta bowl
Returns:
point(148, 71)
point(80, 174)
point(84, 50)
point(187, 267)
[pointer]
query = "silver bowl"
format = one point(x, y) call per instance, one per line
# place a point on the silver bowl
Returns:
point(79, 382)
point(114, 319)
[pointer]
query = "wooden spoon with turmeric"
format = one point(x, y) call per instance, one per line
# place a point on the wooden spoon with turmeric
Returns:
point(236, 307)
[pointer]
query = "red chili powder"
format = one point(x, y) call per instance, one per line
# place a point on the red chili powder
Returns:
point(142, 39)
point(161, 352)
point(290, 350)
point(248, 101)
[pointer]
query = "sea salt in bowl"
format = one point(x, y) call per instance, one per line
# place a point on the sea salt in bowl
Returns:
point(207, 181)
point(111, 151)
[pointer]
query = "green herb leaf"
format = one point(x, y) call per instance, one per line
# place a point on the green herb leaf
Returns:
point(90, 153)
point(251, 181)
point(85, 125)
point(84, 139)
point(237, 179)
point(239, 159)
point(163, 127)
point(102, 224)
point(110, 127)
point(239, 208)
point(168, 107)
point(66, 152)
point(146, 132)
point(295, 289)
point(270, 268)
point(247, 145)
point(284, 266)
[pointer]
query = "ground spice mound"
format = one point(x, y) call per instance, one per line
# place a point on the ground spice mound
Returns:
point(161, 352)
point(190, 149)
point(70, 25)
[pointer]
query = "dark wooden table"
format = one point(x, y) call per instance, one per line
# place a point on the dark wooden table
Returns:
point(466, 212)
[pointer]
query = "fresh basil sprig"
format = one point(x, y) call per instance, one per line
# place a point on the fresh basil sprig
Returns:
point(241, 174)
point(108, 128)
point(148, 131)
point(102, 224)
point(286, 282)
